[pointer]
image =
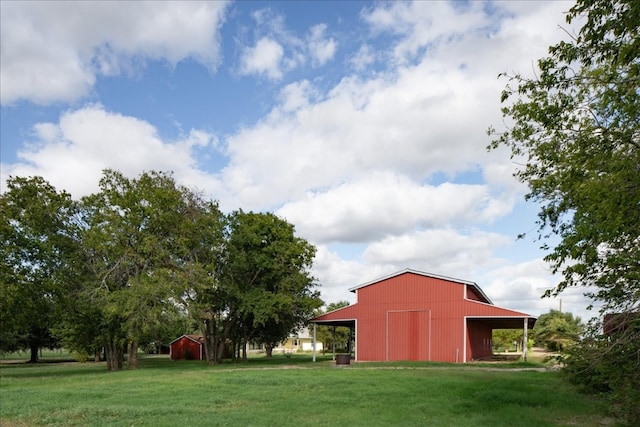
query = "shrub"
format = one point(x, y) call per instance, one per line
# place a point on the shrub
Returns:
point(609, 366)
point(80, 356)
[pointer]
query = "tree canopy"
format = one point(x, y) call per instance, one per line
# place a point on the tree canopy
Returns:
point(557, 331)
point(137, 240)
point(265, 277)
point(142, 258)
point(576, 131)
point(37, 245)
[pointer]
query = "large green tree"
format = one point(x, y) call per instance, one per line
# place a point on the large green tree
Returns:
point(557, 331)
point(203, 298)
point(114, 270)
point(38, 246)
point(266, 279)
point(139, 235)
point(576, 132)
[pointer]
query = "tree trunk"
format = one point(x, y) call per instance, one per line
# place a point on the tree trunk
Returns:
point(208, 330)
point(222, 341)
point(132, 351)
point(235, 350)
point(244, 347)
point(33, 347)
point(220, 350)
point(114, 355)
point(268, 349)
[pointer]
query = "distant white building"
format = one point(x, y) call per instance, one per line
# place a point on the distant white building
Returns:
point(299, 341)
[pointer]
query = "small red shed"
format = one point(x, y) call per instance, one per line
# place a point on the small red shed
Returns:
point(413, 315)
point(187, 347)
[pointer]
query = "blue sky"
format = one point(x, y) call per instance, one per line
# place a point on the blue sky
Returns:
point(362, 123)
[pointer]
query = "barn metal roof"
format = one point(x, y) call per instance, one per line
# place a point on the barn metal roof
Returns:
point(422, 273)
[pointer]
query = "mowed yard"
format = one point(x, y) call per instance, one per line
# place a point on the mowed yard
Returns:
point(291, 391)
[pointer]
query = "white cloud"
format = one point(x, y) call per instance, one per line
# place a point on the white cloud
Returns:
point(520, 287)
point(364, 57)
point(419, 122)
point(433, 27)
point(420, 25)
point(72, 153)
point(54, 51)
point(443, 251)
point(277, 50)
point(421, 118)
point(383, 204)
point(264, 58)
point(320, 48)
point(336, 275)
point(296, 96)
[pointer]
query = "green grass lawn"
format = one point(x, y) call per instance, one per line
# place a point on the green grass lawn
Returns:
point(44, 355)
point(289, 391)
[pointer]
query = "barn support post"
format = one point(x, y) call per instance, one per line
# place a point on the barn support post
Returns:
point(313, 342)
point(334, 342)
point(525, 340)
point(464, 340)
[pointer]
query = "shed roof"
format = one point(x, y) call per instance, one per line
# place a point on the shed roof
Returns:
point(192, 337)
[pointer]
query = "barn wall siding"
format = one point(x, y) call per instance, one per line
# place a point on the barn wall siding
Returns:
point(478, 340)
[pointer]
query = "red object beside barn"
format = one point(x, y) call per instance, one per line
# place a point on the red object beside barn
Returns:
point(412, 315)
point(187, 347)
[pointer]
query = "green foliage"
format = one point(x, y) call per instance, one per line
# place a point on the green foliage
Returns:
point(507, 339)
point(142, 237)
point(557, 331)
point(576, 131)
point(142, 261)
point(609, 365)
point(265, 276)
point(37, 247)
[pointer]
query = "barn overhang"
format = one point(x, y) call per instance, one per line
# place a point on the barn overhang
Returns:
point(471, 323)
point(504, 322)
point(348, 323)
point(344, 316)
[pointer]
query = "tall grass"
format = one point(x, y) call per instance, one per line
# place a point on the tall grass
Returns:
point(288, 391)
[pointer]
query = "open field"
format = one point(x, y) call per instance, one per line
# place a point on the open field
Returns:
point(290, 391)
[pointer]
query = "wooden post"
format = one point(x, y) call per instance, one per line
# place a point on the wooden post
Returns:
point(525, 340)
point(313, 343)
point(334, 342)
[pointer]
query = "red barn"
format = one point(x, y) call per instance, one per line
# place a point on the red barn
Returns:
point(412, 315)
point(187, 347)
